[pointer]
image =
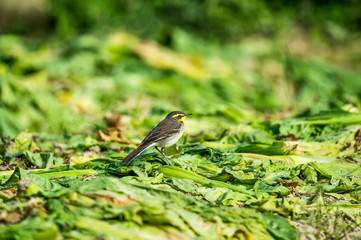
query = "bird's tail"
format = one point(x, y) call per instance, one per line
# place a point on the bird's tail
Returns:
point(136, 152)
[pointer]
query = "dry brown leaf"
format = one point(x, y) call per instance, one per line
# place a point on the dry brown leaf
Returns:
point(11, 192)
point(114, 131)
point(11, 216)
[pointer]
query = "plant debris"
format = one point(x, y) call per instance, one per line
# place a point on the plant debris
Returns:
point(218, 188)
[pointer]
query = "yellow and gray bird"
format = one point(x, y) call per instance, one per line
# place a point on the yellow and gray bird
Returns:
point(165, 134)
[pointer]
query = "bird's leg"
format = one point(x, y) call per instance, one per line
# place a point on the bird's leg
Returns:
point(161, 151)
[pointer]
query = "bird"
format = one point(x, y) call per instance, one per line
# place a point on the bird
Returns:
point(165, 134)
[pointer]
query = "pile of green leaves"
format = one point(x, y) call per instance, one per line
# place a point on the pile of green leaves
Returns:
point(235, 175)
point(228, 185)
point(225, 85)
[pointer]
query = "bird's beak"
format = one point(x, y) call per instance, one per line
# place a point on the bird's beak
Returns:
point(184, 116)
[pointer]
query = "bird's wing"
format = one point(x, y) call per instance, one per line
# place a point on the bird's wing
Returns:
point(160, 132)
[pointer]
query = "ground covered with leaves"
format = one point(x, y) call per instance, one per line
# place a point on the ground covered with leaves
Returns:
point(272, 180)
point(272, 150)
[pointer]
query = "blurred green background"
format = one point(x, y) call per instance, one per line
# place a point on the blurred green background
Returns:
point(64, 64)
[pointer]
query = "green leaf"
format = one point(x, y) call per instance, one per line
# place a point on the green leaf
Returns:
point(38, 184)
point(23, 141)
point(281, 191)
point(171, 171)
point(279, 227)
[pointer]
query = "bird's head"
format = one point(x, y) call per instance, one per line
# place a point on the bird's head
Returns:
point(179, 116)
